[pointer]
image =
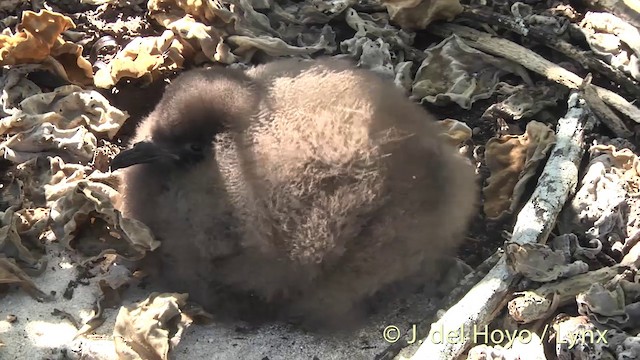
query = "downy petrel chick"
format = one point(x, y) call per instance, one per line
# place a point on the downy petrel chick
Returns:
point(311, 182)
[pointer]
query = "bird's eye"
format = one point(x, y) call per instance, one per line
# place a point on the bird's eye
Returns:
point(195, 147)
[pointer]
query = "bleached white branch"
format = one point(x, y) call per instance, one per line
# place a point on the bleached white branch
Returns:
point(458, 327)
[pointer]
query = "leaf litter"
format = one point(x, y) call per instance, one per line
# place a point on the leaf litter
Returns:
point(64, 64)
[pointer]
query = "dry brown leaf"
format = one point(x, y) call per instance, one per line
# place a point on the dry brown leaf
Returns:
point(144, 57)
point(202, 37)
point(10, 273)
point(418, 14)
point(513, 160)
point(20, 255)
point(66, 107)
point(539, 262)
point(78, 70)
point(198, 23)
point(452, 71)
point(38, 40)
point(454, 131)
point(151, 328)
point(75, 144)
point(37, 35)
point(14, 224)
point(83, 216)
point(203, 11)
point(626, 163)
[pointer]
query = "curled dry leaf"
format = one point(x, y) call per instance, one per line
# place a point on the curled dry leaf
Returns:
point(78, 199)
point(151, 328)
point(513, 160)
point(617, 41)
point(625, 162)
point(578, 339)
point(418, 14)
point(202, 37)
point(524, 343)
point(202, 11)
point(540, 263)
point(454, 131)
point(196, 23)
point(12, 274)
point(608, 306)
point(605, 197)
point(246, 46)
point(15, 87)
point(374, 55)
point(75, 144)
point(570, 246)
point(38, 40)
point(11, 192)
point(387, 54)
point(103, 156)
point(19, 236)
point(526, 101)
point(309, 12)
point(376, 26)
point(66, 107)
point(144, 57)
point(482, 352)
point(34, 174)
point(529, 306)
point(111, 275)
point(20, 249)
point(456, 72)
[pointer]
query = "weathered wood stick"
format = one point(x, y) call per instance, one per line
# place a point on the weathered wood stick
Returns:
point(532, 61)
point(552, 41)
point(534, 224)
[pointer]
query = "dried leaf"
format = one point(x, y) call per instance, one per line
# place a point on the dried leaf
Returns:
point(610, 37)
point(66, 107)
point(74, 144)
point(418, 14)
point(540, 263)
point(454, 131)
point(144, 58)
point(10, 273)
point(456, 72)
point(83, 214)
point(38, 40)
point(151, 328)
point(513, 160)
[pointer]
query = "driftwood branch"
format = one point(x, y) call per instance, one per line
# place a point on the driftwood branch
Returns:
point(532, 61)
point(534, 224)
point(602, 111)
point(551, 40)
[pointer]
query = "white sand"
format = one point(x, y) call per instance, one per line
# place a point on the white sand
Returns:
point(37, 334)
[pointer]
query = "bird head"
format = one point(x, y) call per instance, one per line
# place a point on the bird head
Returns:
point(196, 106)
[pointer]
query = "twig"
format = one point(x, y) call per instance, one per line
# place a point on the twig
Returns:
point(532, 61)
point(534, 224)
point(539, 34)
point(602, 111)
